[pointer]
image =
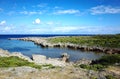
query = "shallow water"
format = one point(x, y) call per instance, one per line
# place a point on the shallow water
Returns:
point(29, 48)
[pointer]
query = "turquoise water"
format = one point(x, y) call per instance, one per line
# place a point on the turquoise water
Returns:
point(29, 48)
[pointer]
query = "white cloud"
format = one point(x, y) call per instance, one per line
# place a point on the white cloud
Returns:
point(37, 21)
point(69, 11)
point(30, 12)
point(50, 23)
point(24, 12)
point(65, 29)
point(104, 10)
point(3, 22)
point(42, 5)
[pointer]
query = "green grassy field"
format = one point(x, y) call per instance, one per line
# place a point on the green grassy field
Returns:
point(112, 41)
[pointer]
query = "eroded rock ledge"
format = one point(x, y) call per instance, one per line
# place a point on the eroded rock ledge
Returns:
point(45, 43)
point(37, 59)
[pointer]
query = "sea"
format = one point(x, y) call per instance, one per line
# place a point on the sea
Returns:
point(29, 48)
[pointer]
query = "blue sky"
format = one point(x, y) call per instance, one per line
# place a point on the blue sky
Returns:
point(59, 16)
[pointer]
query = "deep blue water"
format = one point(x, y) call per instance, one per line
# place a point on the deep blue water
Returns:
point(29, 48)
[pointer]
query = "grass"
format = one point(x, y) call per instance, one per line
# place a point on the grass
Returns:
point(103, 62)
point(14, 61)
point(98, 40)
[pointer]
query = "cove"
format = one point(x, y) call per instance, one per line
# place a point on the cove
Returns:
point(28, 48)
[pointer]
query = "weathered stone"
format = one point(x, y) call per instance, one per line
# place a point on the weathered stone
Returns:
point(65, 57)
point(39, 58)
point(4, 53)
point(83, 61)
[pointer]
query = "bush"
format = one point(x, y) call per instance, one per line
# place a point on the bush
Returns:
point(103, 62)
point(110, 77)
point(93, 67)
point(109, 60)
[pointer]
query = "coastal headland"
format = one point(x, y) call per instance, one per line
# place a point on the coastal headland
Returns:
point(109, 44)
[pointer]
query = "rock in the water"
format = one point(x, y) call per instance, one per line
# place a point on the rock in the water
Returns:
point(65, 57)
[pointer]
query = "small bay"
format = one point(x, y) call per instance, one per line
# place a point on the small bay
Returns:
point(29, 48)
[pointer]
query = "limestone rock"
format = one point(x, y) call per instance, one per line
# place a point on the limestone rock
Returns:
point(65, 57)
point(4, 53)
point(39, 58)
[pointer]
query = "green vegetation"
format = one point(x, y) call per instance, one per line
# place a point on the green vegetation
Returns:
point(103, 62)
point(98, 40)
point(110, 77)
point(17, 62)
point(93, 67)
point(108, 60)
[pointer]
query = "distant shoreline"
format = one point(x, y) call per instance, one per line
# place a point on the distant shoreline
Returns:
point(46, 42)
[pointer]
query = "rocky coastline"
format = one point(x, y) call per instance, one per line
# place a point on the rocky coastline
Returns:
point(43, 42)
point(65, 71)
point(37, 59)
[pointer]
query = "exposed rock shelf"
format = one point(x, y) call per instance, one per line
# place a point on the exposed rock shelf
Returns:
point(37, 59)
point(45, 43)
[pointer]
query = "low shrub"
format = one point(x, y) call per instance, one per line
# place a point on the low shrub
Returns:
point(14, 61)
point(110, 77)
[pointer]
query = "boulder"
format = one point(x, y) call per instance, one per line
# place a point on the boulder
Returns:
point(39, 58)
point(65, 57)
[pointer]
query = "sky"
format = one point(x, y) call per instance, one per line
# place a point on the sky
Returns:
point(59, 16)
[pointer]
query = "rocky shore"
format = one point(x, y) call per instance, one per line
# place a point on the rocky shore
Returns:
point(37, 59)
point(45, 43)
point(64, 71)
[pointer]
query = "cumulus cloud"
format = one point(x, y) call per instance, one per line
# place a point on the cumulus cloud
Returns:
point(37, 21)
point(69, 11)
point(3, 22)
point(104, 10)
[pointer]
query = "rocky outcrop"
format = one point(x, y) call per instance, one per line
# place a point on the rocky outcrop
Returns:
point(83, 61)
point(65, 57)
point(37, 59)
point(44, 43)
point(4, 53)
point(40, 59)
